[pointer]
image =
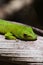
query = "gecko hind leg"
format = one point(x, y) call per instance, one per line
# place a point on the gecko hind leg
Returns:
point(10, 36)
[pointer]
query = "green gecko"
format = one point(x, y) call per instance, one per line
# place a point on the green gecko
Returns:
point(13, 31)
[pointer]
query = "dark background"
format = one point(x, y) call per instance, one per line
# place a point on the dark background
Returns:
point(31, 15)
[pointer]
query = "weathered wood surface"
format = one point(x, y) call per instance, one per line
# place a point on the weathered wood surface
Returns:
point(29, 51)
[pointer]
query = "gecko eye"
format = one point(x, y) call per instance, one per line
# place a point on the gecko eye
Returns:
point(25, 35)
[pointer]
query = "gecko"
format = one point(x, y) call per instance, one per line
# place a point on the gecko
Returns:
point(13, 31)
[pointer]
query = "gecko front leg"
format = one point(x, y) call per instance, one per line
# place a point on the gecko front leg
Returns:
point(10, 36)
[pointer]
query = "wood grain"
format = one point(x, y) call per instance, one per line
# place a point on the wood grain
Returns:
point(29, 51)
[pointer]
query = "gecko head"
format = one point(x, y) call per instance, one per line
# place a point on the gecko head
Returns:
point(29, 34)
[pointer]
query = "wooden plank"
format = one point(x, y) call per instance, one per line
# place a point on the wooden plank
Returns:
point(29, 51)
